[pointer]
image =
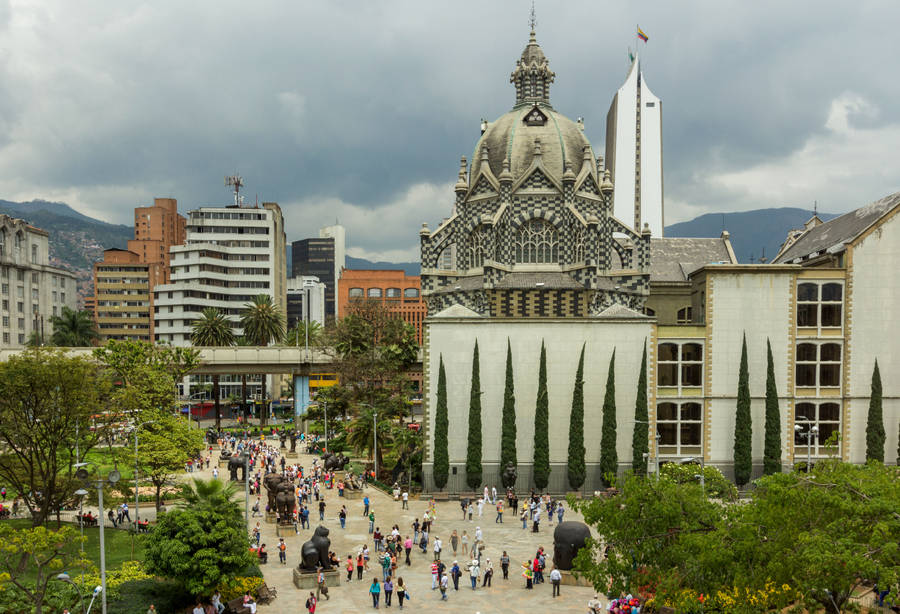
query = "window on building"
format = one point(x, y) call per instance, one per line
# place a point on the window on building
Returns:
point(54, 310)
point(374, 293)
point(680, 427)
point(5, 337)
point(649, 312)
point(18, 243)
point(34, 254)
point(684, 316)
point(20, 275)
point(355, 293)
point(6, 321)
point(447, 259)
point(21, 323)
point(477, 246)
point(818, 365)
point(5, 288)
point(537, 242)
point(392, 293)
point(826, 416)
point(411, 293)
point(820, 304)
point(20, 306)
point(21, 339)
point(62, 297)
point(34, 293)
point(34, 308)
point(2, 240)
point(5, 305)
point(20, 291)
point(680, 364)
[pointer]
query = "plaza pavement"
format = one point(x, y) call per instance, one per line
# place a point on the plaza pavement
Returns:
point(504, 596)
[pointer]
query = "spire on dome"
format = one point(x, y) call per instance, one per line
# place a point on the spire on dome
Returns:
point(532, 75)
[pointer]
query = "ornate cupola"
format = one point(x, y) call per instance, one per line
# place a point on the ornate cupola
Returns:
point(532, 75)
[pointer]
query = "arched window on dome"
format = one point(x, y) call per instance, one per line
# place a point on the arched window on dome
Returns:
point(478, 247)
point(537, 242)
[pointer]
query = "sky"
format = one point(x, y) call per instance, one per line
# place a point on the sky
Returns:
point(358, 111)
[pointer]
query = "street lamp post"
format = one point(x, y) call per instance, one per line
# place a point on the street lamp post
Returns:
point(113, 477)
point(375, 442)
point(64, 577)
point(80, 493)
point(246, 454)
point(809, 435)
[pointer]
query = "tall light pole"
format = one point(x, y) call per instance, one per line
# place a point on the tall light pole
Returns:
point(246, 454)
point(113, 477)
point(375, 442)
point(81, 493)
point(812, 432)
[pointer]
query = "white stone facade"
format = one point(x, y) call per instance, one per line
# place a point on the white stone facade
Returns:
point(31, 290)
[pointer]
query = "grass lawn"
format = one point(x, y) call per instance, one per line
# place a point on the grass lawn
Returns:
point(118, 544)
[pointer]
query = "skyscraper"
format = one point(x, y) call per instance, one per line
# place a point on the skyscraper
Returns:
point(322, 257)
point(634, 153)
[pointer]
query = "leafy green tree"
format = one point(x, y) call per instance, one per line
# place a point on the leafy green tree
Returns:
point(609, 458)
point(772, 452)
point(164, 447)
point(213, 329)
point(31, 558)
point(202, 543)
point(46, 408)
point(576, 468)
point(73, 328)
point(441, 469)
point(542, 427)
point(473, 451)
point(716, 485)
point(508, 422)
point(262, 321)
point(875, 436)
point(640, 439)
point(743, 426)
point(361, 432)
point(409, 446)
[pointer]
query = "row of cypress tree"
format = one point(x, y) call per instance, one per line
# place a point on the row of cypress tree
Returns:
point(576, 469)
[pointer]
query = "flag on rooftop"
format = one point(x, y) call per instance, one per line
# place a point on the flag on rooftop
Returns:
point(641, 35)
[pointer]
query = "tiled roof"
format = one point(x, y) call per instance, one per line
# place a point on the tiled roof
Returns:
point(674, 258)
point(547, 279)
point(835, 233)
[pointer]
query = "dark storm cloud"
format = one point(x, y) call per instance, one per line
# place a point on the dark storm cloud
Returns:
point(360, 110)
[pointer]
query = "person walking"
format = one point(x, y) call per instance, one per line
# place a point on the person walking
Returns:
point(282, 551)
point(386, 566)
point(470, 509)
point(536, 520)
point(342, 515)
point(465, 544)
point(437, 548)
point(454, 541)
point(444, 583)
point(371, 521)
point(474, 572)
point(499, 517)
point(349, 567)
point(524, 517)
point(359, 566)
point(375, 591)
point(560, 511)
point(256, 511)
point(311, 603)
point(504, 565)
point(322, 509)
point(493, 494)
point(481, 505)
point(488, 573)
point(366, 505)
point(321, 587)
point(388, 591)
point(528, 574)
point(434, 575)
point(407, 545)
point(401, 592)
point(405, 498)
point(555, 580)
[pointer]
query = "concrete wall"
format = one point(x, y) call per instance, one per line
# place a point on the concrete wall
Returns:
point(872, 328)
point(454, 339)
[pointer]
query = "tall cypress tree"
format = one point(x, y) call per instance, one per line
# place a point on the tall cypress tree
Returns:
point(743, 427)
point(473, 453)
point(508, 421)
point(441, 469)
point(875, 426)
point(640, 440)
point(609, 458)
point(576, 429)
point(772, 452)
point(541, 428)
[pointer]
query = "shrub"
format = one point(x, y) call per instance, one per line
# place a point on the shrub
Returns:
point(717, 486)
point(240, 585)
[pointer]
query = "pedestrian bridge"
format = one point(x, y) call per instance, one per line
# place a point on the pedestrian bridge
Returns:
point(243, 359)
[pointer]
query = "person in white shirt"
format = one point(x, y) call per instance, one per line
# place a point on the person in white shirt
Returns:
point(405, 497)
point(494, 494)
point(198, 609)
point(480, 505)
point(555, 579)
point(595, 606)
point(217, 602)
point(437, 548)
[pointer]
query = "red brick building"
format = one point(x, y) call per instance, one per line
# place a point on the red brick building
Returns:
point(397, 290)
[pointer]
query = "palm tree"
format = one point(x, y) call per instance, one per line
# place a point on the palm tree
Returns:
point(359, 433)
point(297, 335)
point(73, 328)
point(211, 494)
point(213, 329)
point(263, 324)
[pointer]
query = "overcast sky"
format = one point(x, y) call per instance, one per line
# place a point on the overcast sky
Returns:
point(359, 110)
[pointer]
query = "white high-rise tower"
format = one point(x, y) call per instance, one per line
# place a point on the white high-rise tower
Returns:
point(634, 153)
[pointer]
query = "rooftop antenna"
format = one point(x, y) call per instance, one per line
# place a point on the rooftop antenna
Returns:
point(237, 182)
point(532, 21)
point(815, 207)
point(723, 222)
point(762, 259)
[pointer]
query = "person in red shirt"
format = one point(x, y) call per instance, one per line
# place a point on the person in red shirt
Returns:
point(311, 603)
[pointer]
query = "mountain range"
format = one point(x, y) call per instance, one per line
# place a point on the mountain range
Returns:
point(77, 241)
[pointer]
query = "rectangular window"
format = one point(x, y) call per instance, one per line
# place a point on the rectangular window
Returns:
point(6, 321)
point(21, 323)
point(34, 308)
point(818, 365)
point(5, 337)
point(20, 307)
point(815, 423)
point(5, 305)
point(684, 316)
point(5, 288)
point(34, 278)
point(680, 364)
point(820, 304)
point(680, 427)
point(355, 293)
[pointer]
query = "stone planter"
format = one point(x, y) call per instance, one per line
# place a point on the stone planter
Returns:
point(307, 580)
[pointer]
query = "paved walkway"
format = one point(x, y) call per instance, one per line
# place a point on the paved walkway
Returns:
point(504, 596)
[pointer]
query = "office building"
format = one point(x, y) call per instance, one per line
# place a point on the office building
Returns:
point(31, 290)
point(634, 153)
point(399, 292)
point(305, 301)
point(322, 257)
